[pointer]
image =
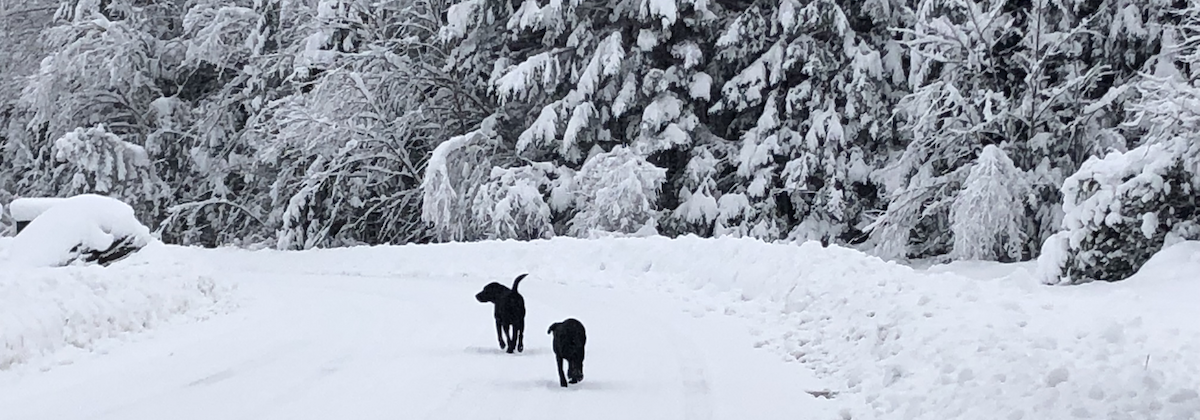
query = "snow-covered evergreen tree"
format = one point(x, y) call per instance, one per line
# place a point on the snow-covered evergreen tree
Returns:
point(1042, 78)
point(987, 218)
point(309, 123)
point(1120, 210)
point(576, 79)
point(99, 71)
point(811, 99)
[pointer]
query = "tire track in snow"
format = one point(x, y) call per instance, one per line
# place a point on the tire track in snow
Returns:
point(697, 401)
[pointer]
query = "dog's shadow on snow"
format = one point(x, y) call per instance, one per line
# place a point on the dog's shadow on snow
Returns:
point(497, 351)
point(552, 385)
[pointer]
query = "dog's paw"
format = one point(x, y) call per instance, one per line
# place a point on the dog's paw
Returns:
point(521, 348)
point(509, 350)
point(562, 384)
point(503, 346)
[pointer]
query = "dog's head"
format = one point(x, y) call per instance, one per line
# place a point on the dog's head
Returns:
point(491, 292)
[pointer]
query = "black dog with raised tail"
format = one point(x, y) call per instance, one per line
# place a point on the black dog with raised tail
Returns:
point(510, 313)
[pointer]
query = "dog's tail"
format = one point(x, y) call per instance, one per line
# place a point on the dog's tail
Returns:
point(517, 282)
point(553, 327)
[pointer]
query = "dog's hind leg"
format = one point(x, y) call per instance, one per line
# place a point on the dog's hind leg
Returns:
point(562, 379)
point(499, 337)
point(575, 371)
point(519, 332)
point(510, 334)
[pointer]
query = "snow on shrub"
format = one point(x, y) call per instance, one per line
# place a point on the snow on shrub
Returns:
point(45, 310)
point(616, 191)
point(468, 195)
point(83, 228)
point(511, 205)
point(1119, 210)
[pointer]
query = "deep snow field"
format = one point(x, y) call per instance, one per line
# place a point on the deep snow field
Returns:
point(677, 329)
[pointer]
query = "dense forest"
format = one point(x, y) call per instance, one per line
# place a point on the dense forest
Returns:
point(950, 129)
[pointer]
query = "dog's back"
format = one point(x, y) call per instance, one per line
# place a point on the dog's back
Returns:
point(570, 338)
point(511, 307)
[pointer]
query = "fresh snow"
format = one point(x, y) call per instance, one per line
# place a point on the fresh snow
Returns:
point(50, 315)
point(678, 329)
point(26, 209)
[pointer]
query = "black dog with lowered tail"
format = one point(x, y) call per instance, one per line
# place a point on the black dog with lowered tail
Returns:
point(569, 340)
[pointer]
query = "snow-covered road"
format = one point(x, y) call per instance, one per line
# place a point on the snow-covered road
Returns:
point(307, 346)
point(677, 329)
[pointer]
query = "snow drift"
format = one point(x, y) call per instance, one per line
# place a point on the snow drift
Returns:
point(890, 341)
point(46, 310)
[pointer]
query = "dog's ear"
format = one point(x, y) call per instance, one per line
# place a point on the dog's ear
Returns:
point(552, 327)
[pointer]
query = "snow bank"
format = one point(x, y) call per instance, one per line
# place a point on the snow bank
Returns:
point(73, 226)
point(892, 342)
point(45, 310)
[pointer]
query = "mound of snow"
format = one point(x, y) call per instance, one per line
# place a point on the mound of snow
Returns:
point(890, 341)
point(82, 227)
point(46, 310)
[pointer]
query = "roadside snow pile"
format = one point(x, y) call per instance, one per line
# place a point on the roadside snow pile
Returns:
point(45, 310)
point(82, 228)
point(891, 341)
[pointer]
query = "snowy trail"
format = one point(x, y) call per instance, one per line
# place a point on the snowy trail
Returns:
point(310, 346)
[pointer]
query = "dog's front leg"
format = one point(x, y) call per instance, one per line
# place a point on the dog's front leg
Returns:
point(562, 379)
point(499, 337)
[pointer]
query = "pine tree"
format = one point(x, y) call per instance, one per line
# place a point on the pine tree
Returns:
point(819, 78)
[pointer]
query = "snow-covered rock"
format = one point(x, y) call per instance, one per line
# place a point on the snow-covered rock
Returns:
point(82, 228)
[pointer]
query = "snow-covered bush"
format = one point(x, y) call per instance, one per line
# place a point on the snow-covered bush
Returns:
point(94, 160)
point(80, 229)
point(1120, 210)
point(986, 216)
point(455, 170)
point(511, 205)
point(616, 192)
